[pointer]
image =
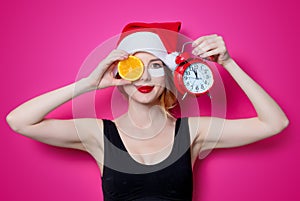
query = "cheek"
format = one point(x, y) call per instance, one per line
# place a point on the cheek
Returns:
point(129, 89)
point(159, 81)
point(160, 90)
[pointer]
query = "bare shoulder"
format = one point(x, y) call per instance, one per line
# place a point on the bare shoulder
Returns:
point(95, 141)
point(204, 130)
point(198, 125)
point(90, 130)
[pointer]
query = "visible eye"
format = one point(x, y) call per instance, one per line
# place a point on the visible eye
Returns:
point(156, 65)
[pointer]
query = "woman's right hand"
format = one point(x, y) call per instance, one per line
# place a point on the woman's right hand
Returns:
point(103, 74)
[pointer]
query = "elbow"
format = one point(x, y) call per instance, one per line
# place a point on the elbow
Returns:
point(280, 126)
point(12, 122)
point(285, 124)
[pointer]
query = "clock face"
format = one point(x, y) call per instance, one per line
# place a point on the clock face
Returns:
point(197, 78)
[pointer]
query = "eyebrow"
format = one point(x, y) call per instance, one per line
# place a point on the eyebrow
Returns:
point(152, 60)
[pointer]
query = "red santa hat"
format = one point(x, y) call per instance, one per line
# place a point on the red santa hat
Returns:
point(159, 39)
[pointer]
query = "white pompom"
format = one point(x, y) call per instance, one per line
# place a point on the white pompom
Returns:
point(170, 60)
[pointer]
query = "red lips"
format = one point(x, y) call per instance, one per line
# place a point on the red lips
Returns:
point(145, 89)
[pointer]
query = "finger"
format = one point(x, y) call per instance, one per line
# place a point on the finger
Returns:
point(203, 38)
point(120, 55)
point(112, 69)
point(117, 56)
point(210, 53)
point(118, 52)
point(202, 48)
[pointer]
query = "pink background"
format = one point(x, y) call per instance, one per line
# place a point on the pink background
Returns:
point(44, 43)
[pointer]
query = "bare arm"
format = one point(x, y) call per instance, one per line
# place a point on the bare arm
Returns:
point(29, 120)
point(270, 118)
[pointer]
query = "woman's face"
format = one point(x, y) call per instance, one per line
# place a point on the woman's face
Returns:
point(151, 84)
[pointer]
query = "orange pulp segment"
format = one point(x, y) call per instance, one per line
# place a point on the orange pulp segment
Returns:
point(131, 68)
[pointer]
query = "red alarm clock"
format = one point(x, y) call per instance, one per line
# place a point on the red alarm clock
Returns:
point(192, 75)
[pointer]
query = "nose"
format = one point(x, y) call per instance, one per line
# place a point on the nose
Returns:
point(145, 76)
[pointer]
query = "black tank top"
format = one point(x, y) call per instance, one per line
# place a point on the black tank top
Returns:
point(125, 179)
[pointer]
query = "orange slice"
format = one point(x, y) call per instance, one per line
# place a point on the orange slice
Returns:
point(131, 68)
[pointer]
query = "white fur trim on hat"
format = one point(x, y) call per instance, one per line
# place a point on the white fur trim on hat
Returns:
point(147, 42)
point(170, 60)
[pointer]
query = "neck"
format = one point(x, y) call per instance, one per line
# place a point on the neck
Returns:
point(143, 115)
point(143, 121)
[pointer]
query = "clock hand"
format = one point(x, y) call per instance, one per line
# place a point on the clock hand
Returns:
point(196, 73)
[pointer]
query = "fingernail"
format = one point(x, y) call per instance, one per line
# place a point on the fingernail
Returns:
point(202, 56)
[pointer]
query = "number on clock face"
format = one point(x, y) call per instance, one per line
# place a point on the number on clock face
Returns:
point(197, 78)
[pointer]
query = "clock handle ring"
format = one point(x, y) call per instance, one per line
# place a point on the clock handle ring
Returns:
point(184, 44)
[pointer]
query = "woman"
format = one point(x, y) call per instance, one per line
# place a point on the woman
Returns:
point(148, 154)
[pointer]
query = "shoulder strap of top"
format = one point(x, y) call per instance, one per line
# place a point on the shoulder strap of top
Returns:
point(111, 133)
point(177, 126)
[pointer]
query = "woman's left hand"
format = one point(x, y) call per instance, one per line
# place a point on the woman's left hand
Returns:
point(212, 47)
